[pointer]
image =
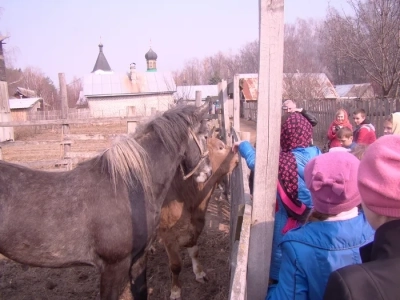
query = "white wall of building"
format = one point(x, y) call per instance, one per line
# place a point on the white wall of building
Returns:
point(117, 106)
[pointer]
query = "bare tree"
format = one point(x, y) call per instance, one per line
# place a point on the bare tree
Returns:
point(371, 39)
point(301, 52)
point(34, 79)
point(73, 90)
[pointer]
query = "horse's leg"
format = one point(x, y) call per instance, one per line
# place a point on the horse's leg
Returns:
point(201, 276)
point(175, 265)
point(139, 279)
point(114, 278)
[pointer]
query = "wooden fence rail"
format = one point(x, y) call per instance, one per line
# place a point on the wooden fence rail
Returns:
point(240, 222)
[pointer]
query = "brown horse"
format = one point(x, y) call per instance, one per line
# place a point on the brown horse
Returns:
point(104, 212)
point(184, 209)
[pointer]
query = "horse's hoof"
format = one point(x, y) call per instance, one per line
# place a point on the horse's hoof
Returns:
point(175, 296)
point(202, 278)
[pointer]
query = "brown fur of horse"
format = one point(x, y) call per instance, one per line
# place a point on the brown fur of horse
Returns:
point(104, 212)
point(184, 209)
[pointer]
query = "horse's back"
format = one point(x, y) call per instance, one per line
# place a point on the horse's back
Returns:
point(55, 218)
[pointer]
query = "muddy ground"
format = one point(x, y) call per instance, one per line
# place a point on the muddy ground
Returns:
point(20, 282)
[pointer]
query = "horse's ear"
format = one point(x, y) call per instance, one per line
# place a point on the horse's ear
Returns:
point(211, 132)
point(204, 108)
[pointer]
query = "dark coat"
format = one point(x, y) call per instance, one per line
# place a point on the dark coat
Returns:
point(310, 117)
point(378, 277)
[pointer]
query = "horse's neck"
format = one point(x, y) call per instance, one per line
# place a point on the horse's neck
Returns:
point(206, 189)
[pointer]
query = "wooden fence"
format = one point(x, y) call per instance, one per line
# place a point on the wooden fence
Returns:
point(240, 223)
point(377, 111)
point(68, 158)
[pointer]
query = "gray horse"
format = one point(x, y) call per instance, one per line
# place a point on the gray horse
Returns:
point(104, 212)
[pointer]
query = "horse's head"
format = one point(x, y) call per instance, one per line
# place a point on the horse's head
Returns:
point(196, 162)
point(223, 159)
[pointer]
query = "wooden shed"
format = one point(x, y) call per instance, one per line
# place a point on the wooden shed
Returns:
point(21, 108)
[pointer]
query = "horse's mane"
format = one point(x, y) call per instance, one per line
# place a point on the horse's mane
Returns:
point(128, 160)
point(171, 127)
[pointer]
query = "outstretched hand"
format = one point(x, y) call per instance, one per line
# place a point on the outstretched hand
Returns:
point(235, 147)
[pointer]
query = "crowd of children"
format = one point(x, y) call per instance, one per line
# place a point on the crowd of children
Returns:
point(337, 219)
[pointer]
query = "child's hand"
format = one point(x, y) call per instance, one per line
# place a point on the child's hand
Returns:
point(235, 147)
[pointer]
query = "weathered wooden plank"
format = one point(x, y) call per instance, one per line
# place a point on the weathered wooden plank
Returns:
point(238, 284)
point(84, 155)
point(268, 144)
point(85, 137)
point(43, 164)
point(69, 121)
point(236, 103)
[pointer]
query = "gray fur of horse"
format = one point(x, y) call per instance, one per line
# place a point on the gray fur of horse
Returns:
point(104, 212)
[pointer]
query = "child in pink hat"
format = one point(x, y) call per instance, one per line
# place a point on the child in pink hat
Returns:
point(333, 234)
point(378, 277)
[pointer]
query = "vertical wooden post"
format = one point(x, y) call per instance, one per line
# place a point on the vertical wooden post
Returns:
point(198, 98)
point(6, 133)
point(131, 126)
point(66, 142)
point(131, 112)
point(236, 103)
point(1, 154)
point(267, 154)
point(63, 94)
point(223, 98)
point(153, 111)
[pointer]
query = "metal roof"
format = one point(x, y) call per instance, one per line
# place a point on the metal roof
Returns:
point(188, 92)
point(101, 62)
point(23, 103)
point(249, 86)
point(354, 90)
point(25, 92)
point(121, 84)
point(150, 55)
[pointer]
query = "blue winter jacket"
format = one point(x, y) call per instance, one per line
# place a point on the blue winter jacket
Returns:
point(303, 156)
point(310, 253)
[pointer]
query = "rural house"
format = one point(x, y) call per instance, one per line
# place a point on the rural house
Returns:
point(21, 108)
point(355, 91)
point(110, 94)
point(24, 93)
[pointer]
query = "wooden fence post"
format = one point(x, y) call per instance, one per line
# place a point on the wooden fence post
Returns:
point(236, 103)
point(1, 154)
point(198, 98)
point(131, 112)
point(131, 126)
point(63, 93)
point(66, 142)
point(267, 154)
point(223, 99)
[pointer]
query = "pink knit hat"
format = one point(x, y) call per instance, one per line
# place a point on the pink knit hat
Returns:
point(332, 181)
point(378, 176)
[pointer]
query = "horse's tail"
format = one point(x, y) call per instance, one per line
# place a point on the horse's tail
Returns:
point(128, 160)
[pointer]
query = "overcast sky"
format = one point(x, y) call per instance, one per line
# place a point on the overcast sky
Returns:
point(63, 36)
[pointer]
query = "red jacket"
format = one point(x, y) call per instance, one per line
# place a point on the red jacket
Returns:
point(332, 135)
point(365, 134)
